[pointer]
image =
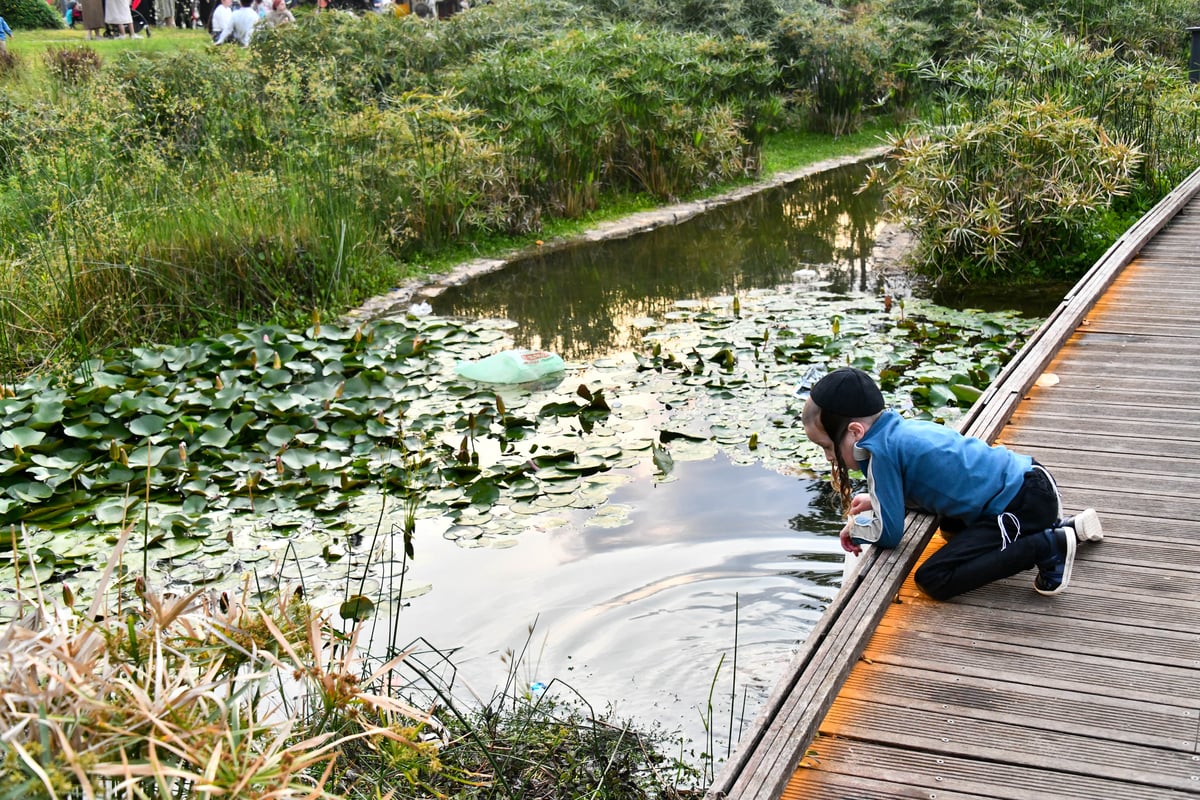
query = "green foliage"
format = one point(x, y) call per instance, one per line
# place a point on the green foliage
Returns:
point(956, 28)
point(838, 69)
point(1132, 27)
point(389, 55)
point(1146, 102)
point(423, 167)
point(626, 109)
point(751, 19)
point(1013, 188)
point(10, 64)
point(30, 15)
point(72, 66)
point(184, 105)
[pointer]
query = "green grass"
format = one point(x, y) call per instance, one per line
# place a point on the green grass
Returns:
point(30, 44)
point(793, 149)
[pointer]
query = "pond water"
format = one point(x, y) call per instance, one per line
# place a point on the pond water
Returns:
point(643, 617)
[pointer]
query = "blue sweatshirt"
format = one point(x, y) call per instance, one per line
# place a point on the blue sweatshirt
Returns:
point(916, 464)
point(5, 31)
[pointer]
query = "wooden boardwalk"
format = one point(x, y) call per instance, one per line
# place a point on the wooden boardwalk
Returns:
point(1004, 693)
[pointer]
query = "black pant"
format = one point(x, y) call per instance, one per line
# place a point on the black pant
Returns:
point(973, 554)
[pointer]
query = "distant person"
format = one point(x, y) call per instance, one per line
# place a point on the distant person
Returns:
point(93, 18)
point(119, 14)
point(241, 25)
point(220, 18)
point(1000, 511)
point(164, 13)
point(5, 34)
point(279, 15)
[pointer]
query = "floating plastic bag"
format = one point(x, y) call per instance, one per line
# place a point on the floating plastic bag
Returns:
point(511, 366)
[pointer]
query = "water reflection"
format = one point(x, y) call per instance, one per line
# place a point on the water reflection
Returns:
point(585, 301)
point(641, 616)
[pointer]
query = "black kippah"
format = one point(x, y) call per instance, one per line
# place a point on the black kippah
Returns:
point(848, 392)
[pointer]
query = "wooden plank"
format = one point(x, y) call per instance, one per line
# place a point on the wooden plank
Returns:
point(1015, 663)
point(1119, 638)
point(1025, 440)
point(1087, 602)
point(1160, 725)
point(936, 773)
point(797, 707)
point(946, 733)
point(841, 787)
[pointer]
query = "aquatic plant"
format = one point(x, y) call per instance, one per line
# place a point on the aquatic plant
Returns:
point(1005, 193)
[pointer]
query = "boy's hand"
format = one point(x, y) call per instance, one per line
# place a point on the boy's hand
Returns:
point(860, 503)
point(847, 545)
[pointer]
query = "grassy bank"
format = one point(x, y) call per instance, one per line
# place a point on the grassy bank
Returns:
point(170, 188)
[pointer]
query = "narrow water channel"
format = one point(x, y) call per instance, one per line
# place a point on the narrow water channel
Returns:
point(684, 612)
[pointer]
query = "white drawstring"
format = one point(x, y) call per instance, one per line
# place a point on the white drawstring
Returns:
point(1008, 517)
point(1005, 538)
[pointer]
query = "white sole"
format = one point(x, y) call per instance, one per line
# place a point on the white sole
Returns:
point(1087, 526)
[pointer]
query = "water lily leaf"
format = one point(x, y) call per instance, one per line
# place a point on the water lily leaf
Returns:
point(48, 413)
point(965, 393)
point(298, 458)
point(662, 460)
point(149, 456)
point(279, 435)
point(357, 608)
point(113, 511)
point(239, 421)
point(21, 437)
point(286, 402)
point(484, 492)
point(216, 437)
point(147, 360)
point(29, 491)
point(147, 425)
point(275, 377)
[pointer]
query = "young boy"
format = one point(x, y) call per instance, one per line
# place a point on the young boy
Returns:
point(1001, 509)
point(5, 34)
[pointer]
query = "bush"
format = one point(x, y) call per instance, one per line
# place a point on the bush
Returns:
point(10, 64)
point(1006, 193)
point(626, 108)
point(72, 66)
point(187, 103)
point(30, 14)
point(841, 70)
point(1128, 26)
point(389, 56)
point(1147, 102)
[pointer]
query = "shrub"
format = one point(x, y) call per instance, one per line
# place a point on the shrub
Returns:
point(841, 70)
point(1006, 192)
point(389, 56)
point(30, 14)
point(424, 169)
point(185, 104)
point(10, 63)
point(628, 108)
point(1128, 26)
point(72, 66)
point(1145, 102)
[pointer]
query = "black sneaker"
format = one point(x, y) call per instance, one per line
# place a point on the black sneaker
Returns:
point(1086, 525)
point(1055, 572)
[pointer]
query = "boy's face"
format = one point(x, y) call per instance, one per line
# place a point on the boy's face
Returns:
point(818, 436)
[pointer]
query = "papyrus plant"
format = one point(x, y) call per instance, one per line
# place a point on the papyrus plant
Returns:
point(1007, 191)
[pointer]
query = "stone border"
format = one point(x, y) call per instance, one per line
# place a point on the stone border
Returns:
point(417, 289)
